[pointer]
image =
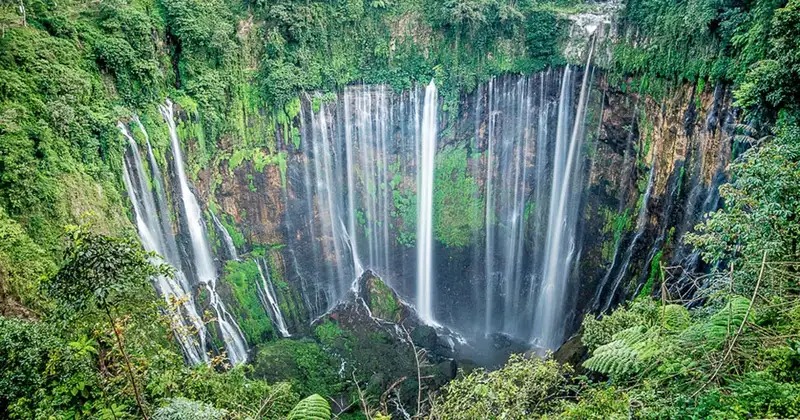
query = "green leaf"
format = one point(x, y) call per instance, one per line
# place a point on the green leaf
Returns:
point(312, 408)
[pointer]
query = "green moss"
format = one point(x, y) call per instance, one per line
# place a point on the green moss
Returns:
point(404, 209)
point(237, 158)
point(260, 159)
point(698, 94)
point(197, 151)
point(681, 180)
point(292, 108)
point(230, 225)
point(670, 237)
point(616, 224)
point(276, 274)
point(457, 204)
point(243, 277)
point(530, 209)
point(296, 139)
point(251, 183)
point(655, 276)
point(382, 301)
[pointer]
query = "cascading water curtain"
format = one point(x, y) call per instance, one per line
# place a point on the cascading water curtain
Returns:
point(205, 271)
point(427, 152)
point(155, 232)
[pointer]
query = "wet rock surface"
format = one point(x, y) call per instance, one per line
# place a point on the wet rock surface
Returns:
point(379, 335)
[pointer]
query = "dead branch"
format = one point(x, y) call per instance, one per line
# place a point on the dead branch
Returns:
point(741, 326)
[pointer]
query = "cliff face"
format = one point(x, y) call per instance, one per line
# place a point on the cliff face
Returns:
point(647, 172)
point(685, 140)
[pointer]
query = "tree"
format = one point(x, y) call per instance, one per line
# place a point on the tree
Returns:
point(762, 205)
point(103, 274)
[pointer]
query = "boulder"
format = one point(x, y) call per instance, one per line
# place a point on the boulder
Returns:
point(424, 336)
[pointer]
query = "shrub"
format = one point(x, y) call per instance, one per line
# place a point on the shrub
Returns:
point(523, 388)
point(183, 409)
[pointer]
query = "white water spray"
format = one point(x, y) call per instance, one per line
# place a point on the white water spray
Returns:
point(269, 299)
point(425, 161)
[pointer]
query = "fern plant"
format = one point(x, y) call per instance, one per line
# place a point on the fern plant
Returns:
point(675, 318)
point(312, 408)
point(717, 328)
point(630, 352)
point(597, 332)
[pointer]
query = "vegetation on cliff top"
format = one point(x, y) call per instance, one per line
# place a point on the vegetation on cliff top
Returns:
point(747, 43)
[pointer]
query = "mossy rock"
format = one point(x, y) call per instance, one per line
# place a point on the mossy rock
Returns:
point(382, 300)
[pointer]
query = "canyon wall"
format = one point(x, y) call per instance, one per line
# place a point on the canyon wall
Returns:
point(336, 193)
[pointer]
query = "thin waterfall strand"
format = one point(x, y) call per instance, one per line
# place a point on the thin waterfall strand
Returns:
point(226, 238)
point(203, 261)
point(427, 149)
point(269, 300)
point(560, 247)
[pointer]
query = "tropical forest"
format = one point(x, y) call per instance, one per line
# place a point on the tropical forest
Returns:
point(399, 209)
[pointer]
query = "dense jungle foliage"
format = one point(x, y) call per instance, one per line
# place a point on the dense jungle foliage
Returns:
point(82, 334)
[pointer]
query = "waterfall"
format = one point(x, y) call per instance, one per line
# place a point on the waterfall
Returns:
point(308, 227)
point(373, 116)
point(561, 242)
point(187, 324)
point(328, 203)
point(641, 225)
point(351, 165)
point(268, 298)
point(541, 190)
point(425, 159)
point(360, 196)
point(489, 251)
point(512, 117)
point(205, 271)
point(226, 238)
point(353, 149)
point(371, 152)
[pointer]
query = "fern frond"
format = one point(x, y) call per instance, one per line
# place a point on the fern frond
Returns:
point(675, 318)
point(312, 408)
point(713, 333)
point(628, 353)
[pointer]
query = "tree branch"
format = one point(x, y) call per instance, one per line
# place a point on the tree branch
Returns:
point(741, 326)
point(139, 400)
